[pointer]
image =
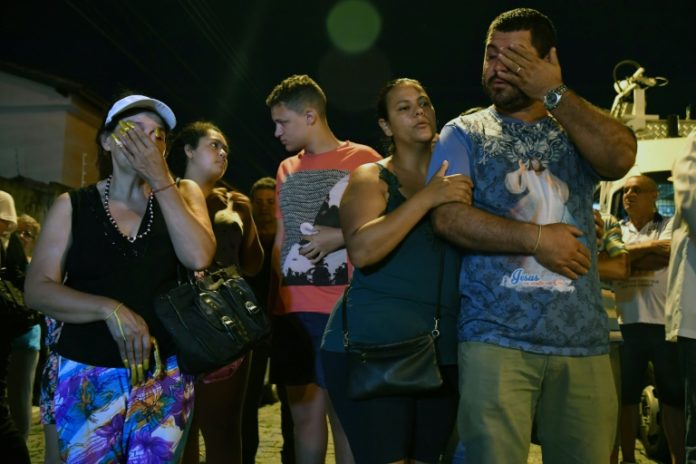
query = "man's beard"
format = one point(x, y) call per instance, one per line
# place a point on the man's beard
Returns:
point(510, 99)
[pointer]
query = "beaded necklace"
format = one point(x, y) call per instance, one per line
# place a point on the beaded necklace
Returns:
point(149, 212)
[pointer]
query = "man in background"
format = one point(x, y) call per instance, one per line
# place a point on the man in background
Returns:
point(641, 303)
point(262, 197)
point(680, 313)
point(613, 263)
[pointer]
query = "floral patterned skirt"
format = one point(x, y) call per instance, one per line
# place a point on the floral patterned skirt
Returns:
point(101, 418)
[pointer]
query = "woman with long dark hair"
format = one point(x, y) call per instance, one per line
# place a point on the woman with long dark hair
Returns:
point(199, 153)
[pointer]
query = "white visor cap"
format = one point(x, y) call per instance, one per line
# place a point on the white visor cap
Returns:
point(141, 101)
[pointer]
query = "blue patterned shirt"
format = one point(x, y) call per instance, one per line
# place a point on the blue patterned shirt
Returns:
point(529, 172)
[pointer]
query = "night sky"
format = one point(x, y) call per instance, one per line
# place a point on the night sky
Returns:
point(219, 59)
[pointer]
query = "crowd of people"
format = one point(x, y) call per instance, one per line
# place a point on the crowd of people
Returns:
point(487, 224)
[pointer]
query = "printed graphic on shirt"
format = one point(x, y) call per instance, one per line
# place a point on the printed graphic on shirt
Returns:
point(541, 196)
point(309, 201)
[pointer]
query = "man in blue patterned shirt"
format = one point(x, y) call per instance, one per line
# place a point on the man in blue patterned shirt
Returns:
point(532, 330)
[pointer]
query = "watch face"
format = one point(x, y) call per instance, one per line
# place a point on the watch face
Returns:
point(551, 98)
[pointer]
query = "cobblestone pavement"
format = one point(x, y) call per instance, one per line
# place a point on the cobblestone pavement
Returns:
point(270, 438)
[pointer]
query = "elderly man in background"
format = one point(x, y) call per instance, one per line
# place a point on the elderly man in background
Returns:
point(641, 303)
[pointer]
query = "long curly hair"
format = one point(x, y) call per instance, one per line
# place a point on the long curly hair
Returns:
point(188, 135)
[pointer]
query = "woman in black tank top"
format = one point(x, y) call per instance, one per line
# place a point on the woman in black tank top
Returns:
point(199, 152)
point(105, 252)
point(384, 217)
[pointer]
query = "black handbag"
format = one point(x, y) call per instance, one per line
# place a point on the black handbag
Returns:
point(213, 320)
point(400, 368)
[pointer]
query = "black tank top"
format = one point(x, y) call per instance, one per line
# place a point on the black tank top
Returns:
point(101, 261)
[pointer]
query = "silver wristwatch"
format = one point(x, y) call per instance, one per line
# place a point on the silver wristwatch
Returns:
point(553, 97)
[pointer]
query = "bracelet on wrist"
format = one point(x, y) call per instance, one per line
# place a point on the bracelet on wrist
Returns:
point(538, 240)
point(161, 189)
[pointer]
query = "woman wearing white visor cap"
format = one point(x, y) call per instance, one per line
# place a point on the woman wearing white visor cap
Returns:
point(105, 252)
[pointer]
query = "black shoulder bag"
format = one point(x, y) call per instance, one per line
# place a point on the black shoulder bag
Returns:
point(399, 368)
point(213, 320)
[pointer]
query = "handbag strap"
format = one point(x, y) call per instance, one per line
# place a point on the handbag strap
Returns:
point(436, 325)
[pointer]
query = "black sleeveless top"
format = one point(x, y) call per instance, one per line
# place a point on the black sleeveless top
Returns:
point(101, 261)
point(229, 232)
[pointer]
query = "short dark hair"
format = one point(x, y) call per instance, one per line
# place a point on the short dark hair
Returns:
point(190, 134)
point(527, 19)
point(297, 92)
point(263, 183)
point(104, 165)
